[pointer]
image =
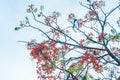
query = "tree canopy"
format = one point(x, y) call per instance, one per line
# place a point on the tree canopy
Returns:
point(87, 49)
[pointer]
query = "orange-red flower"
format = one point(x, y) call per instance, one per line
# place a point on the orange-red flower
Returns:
point(101, 35)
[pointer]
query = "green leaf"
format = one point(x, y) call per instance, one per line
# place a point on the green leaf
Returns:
point(40, 14)
point(105, 68)
point(85, 78)
point(53, 63)
point(41, 7)
point(91, 77)
point(62, 61)
point(102, 39)
point(117, 36)
point(99, 78)
point(88, 41)
point(71, 69)
point(28, 10)
point(35, 10)
point(113, 31)
point(110, 37)
point(27, 20)
point(80, 67)
point(46, 63)
point(80, 77)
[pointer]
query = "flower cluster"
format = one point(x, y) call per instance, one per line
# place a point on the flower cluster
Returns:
point(31, 44)
point(31, 6)
point(55, 14)
point(81, 42)
point(98, 4)
point(116, 51)
point(46, 48)
point(52, 18)
point(90, 16)
point(80, 22)
point(46, 53)
point(90, 58)
point(55, 33)
point(51, 55)
point(90, 34)
point(71, 17)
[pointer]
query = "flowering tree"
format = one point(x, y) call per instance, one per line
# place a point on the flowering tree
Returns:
point(63, 56)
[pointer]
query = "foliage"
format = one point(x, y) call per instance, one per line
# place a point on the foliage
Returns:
point(62, 56)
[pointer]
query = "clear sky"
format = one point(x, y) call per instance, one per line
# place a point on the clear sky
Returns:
point(15, 62)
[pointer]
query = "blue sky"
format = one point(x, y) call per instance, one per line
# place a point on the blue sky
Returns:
point(15, 62)
point(14, 58)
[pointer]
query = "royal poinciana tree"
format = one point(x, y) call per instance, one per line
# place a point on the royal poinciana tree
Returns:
point(88, 49)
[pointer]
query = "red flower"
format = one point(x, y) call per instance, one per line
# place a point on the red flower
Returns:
point(90, 34)
point(50, 77)
point(80, 22)
point(86, 55)
point(81, 61)
point(71, 17)
point(98, 4)
point(35, 51)
point(31, 6)
point(101, 35)
point(91, 13)
point(81, 42)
